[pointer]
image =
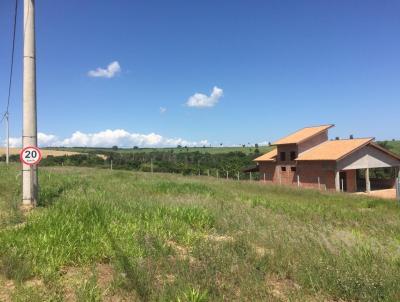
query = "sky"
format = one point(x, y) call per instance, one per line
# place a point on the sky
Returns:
point(161, 73)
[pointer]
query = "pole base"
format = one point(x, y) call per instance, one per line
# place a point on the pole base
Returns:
point(27, 204)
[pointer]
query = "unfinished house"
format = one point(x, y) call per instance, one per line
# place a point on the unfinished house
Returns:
point(307, 158)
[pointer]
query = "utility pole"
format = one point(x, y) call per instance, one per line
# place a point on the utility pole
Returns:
point(8, 138)
point(29, 133)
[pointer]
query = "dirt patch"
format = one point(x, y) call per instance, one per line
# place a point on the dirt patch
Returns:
point(181, 251)
point(219, 238)
point(387, 193)
point(282, 287)
point(6, 289)
point(73, 277)
point(105, 276)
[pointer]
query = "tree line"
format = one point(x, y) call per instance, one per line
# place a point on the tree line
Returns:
point(188, 163)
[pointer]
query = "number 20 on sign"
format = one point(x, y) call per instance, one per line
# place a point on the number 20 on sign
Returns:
point(30, 155)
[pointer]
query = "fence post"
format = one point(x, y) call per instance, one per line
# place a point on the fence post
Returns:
point(250, 175)
point(208, 172)
point(111, 165)
point(398, 188)
point(342, 188)
point(319, 184)
point(217, 174)
point(298, 180)
point(238, 175)
point(264, 177)
point(227, 175)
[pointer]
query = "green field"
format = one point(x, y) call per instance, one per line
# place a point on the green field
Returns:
point(211, 150)
point(393, 146)
point(101, 235)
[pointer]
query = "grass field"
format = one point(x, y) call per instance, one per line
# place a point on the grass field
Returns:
point(211, 150)
point(122, 236)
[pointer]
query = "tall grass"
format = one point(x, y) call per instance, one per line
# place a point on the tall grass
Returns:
point(170, 238)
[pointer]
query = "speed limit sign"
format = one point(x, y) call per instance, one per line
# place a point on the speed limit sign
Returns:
point(30, 155)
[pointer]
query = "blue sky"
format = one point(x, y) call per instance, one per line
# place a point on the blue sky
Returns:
point(274, 67)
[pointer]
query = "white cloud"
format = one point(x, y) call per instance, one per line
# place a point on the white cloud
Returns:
point(15, 142)
point(112, 69)
point(200, 100)
point(108, 138)
point(47, 139)
point(163, 110)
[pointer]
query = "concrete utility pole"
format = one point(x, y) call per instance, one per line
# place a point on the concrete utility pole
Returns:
point(29, 133)
point(8, 138)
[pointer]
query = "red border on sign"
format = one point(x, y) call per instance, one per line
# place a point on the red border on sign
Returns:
point(30, 147)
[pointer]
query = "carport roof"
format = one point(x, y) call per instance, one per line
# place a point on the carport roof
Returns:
point(334, 150)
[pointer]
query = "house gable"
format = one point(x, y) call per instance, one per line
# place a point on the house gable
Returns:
point(368, 157)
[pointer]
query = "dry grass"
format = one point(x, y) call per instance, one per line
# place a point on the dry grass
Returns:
point(15, 151)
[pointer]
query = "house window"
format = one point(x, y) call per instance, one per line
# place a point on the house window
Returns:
point(283, 169)
point(283, 156)
point(293, 169)
point(293, 155)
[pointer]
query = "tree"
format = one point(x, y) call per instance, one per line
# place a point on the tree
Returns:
point(351, 136)
point(256, 146)
point(135, 147)
point(384, 144)
point(115, 148)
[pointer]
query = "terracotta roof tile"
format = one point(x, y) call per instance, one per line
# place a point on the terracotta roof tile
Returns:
point(334, 150)
point(269, 156)
point(302, 135)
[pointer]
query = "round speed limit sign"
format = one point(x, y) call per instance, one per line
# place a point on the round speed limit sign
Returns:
point(30, 155)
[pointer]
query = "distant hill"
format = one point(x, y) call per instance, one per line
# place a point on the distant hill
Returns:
point(393, 146)
point(212, 150)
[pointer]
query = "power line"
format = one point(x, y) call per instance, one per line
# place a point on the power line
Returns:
point(12, 59)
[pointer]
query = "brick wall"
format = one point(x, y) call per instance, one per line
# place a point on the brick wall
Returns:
point(310, 171)
point(312, 142)
point(351, 180)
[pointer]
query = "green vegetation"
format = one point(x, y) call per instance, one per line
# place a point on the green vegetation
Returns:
point(392, 145)
point(247, 149)
point(115, 235)
point(187, 163)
